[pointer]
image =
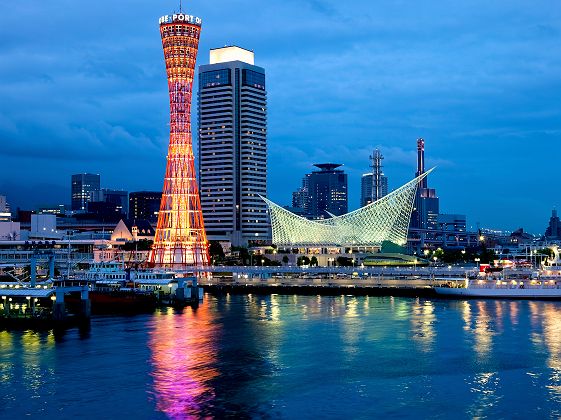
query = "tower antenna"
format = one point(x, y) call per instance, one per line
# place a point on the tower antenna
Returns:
point(180, 6)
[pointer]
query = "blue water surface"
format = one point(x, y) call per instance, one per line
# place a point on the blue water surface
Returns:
point(294, 357)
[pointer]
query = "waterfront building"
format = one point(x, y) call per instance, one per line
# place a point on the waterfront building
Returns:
point(425, 214)
point(327, 191)
point(130, 230)
point(81, 188)
point(180, 240)
point(553, 230)
point(145, 205)
point(384, 220)
point(232, 141)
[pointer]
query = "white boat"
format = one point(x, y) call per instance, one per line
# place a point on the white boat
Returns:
point(542, 288)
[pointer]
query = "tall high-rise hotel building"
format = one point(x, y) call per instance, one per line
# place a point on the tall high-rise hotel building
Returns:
point(233, 147)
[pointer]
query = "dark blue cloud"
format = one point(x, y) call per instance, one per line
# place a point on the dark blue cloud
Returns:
point(83, 89)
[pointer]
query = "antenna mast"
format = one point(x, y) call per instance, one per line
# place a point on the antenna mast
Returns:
point(376, 165)
point(180, 6)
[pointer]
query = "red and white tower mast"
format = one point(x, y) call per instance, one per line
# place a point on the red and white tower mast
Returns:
point(180, 240)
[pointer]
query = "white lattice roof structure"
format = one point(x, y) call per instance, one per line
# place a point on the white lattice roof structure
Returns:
point(387, 219)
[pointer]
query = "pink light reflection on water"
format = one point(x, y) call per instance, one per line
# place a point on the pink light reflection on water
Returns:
point(183, 358)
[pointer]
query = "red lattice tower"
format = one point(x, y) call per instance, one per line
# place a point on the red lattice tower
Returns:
point(180, 240)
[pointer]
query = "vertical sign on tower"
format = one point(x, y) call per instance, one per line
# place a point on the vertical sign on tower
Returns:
point(180, 240)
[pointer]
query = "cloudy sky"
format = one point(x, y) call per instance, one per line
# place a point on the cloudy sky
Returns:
point(83, 88)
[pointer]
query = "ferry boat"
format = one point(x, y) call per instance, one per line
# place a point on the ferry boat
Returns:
point(541, 288)
point(113, 275)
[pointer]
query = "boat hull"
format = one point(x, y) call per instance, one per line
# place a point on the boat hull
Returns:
point(498, 293)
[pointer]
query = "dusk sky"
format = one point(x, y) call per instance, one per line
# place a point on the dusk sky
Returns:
point(83, 89)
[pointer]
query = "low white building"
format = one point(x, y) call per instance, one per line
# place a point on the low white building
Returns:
point(10, 231)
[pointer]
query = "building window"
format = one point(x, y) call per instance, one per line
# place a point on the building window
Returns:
point(253, 79)
point(215, 78)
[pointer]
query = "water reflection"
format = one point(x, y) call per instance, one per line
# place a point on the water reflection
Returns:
point(552, 339)
point(184, 350)
point(479, 321)
point(423, 319)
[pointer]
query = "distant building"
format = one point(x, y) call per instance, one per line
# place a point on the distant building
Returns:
point(44, 226)
point(327, 191)
point(232, 111)
point(102, 211)
point(119, 198)
point(425, 213)
point(56, 210)
point(553, 231)
point(5, 214)
point(301, 197)
point(452, 222)
point(10, 231)
point(145, 205)
point(366, 188)
point(82, 186)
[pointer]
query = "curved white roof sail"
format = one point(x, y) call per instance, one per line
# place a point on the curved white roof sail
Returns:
point(386, 219)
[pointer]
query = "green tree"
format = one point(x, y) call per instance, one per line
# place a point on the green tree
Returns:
point(314, 261)
point(345, 262)
point(215, 250)
point(285, 259)
point(303, 260)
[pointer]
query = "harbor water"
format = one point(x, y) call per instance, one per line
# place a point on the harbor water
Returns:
point(278, 356)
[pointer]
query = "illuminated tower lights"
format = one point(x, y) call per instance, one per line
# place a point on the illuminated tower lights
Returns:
point(180, 241)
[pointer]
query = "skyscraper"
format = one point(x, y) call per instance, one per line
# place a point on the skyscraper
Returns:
point(233, 146)
point(301, 197)
point(327, 191)
point(425, 215)
point(81, 188)
point(180, 239)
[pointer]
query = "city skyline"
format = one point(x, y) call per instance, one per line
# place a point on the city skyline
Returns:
point(342, 80)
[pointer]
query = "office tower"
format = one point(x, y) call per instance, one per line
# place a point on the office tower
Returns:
point(425, 215)
point(233, 147)
point(366, 189)
point(327, 191)
point(301, 197)
point(145, 205)
point(119, 198)
point(553, 231)
point(180, 239)
point(82, 186)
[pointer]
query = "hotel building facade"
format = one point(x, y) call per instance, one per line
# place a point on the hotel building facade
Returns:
point(232, 147)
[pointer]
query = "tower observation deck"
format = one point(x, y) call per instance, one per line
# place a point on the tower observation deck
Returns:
point(180, 240)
